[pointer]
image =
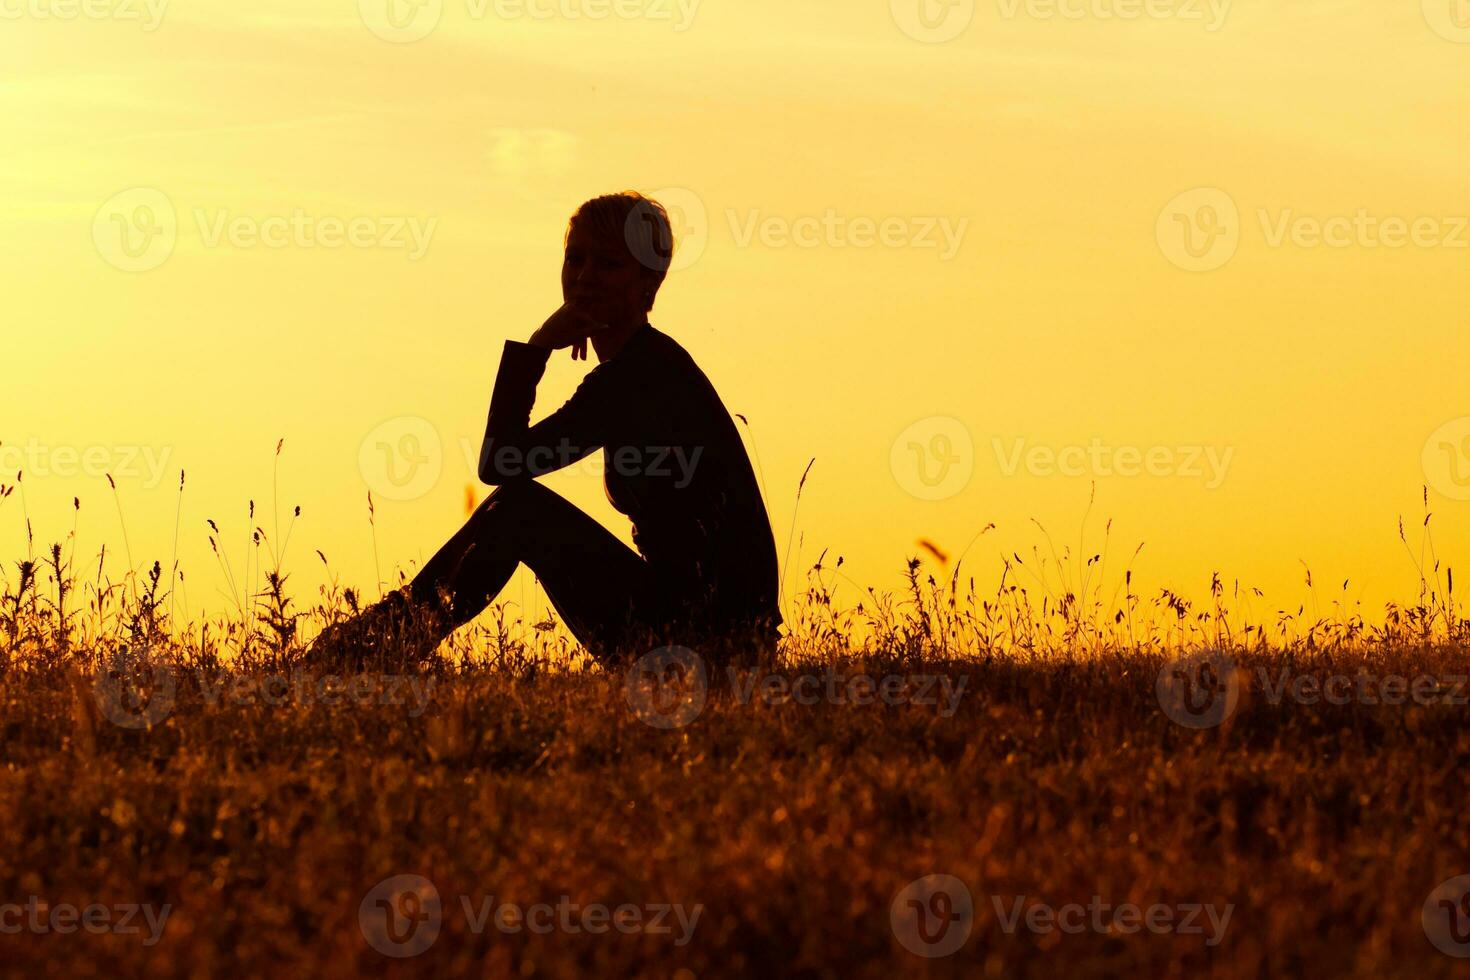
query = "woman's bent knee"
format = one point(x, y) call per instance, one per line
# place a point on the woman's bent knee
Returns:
point(517, 494)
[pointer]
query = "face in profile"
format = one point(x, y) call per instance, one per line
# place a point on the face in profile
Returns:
point(604, 279)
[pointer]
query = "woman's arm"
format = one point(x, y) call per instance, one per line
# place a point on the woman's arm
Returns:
point(514, 449)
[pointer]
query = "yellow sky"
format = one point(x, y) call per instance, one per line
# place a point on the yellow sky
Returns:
point(346, 227)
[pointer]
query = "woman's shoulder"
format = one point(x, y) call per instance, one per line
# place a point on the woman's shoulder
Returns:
point(669, 349)
point(650, 350)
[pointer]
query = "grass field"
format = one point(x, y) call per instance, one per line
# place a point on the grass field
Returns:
point(1101, 803)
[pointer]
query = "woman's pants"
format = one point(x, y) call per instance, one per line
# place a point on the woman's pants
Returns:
point(603, 590)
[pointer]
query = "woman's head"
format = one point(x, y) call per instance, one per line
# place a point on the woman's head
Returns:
point(618, 250)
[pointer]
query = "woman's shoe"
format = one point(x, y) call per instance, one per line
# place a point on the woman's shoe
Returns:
point(394, 632)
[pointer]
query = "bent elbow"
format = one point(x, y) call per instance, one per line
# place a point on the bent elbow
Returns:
point(501, 462)
point(490, 474)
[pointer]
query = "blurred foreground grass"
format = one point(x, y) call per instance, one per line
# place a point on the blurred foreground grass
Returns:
point(791, 826)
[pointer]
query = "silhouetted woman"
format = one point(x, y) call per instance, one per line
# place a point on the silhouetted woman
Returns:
point(705, 571)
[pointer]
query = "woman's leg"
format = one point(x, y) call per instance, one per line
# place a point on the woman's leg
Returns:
point(602, 589)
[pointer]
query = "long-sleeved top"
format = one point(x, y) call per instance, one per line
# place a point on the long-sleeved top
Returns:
point(673, 462)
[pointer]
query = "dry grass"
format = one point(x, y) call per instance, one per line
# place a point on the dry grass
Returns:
point(525, 776)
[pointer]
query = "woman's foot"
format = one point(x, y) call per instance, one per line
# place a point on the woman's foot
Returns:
point(393, 633)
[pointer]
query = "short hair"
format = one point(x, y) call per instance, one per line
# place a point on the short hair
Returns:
point(639, 223)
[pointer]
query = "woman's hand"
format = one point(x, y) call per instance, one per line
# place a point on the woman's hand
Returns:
point(570, 327)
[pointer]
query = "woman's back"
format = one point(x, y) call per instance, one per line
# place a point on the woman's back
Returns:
point(674, 463)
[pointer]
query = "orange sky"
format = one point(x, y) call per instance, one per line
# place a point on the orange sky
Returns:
point(970, 257)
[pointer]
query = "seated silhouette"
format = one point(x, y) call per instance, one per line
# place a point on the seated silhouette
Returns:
point(704, 573)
